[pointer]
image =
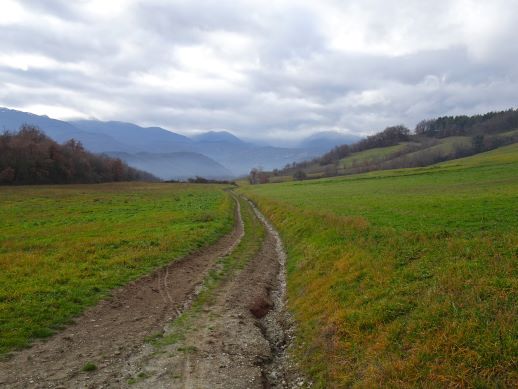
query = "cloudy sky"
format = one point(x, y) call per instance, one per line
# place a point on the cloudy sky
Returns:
point(272, 70)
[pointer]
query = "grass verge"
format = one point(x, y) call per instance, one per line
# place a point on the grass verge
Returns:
point(404, 278)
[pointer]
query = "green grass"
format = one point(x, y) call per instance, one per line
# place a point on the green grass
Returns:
point(370, 155)
point(445, 147)
point(89, 366)
point(404, 278)
point(512, 132)
point(63, 248)
point(503, 156)
point(450, 142)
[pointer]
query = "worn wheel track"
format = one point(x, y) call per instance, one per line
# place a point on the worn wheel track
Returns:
point(230, 344)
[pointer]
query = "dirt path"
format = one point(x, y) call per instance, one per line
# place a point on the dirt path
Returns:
point(240, 337)
point(108, 334)
point(235, 339)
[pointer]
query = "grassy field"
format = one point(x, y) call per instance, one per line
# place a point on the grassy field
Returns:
point(370, 155)
point(63, 248)
point(444, 147)
point(404, 278)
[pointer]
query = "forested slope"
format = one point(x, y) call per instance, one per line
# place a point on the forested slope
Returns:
point(30, 157)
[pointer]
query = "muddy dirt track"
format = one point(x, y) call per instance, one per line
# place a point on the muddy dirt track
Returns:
point(238, 341)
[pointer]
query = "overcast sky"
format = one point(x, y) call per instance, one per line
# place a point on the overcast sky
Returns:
point(280, 69)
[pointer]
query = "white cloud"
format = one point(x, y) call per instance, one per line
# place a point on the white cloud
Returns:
point(282, 69)
point(54, 111)
point(12, 13)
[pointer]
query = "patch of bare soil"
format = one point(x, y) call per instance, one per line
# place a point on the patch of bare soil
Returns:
point(109, 334)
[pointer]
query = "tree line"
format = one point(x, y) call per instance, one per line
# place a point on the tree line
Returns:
point(463, 125)
point(28, 156)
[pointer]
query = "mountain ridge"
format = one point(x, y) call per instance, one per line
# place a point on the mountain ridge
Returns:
point(217, 136)
point(223, 147)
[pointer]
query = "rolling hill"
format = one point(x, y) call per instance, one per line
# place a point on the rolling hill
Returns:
point(432, 141)
point(217, 136)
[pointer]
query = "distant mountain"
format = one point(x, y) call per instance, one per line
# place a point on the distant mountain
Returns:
point(176, 166)
point(324, 141)
point(221, 146)
point(150, 139)
point(218, 136)
point(235, 156)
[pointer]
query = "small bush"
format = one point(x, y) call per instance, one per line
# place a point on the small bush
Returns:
point(89, 366)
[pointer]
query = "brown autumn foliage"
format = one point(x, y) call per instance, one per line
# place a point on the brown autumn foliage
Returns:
point(30, 157)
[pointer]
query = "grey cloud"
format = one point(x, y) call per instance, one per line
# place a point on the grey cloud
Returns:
point(58, 8)
point(283, 76)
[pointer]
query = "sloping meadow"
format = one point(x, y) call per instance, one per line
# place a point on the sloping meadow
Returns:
point(405, 278)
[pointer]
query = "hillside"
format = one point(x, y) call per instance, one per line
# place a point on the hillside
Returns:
point(414, 271)
point(432, 141)
point(252, 195)
point(235, 155)
point(30, 157)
